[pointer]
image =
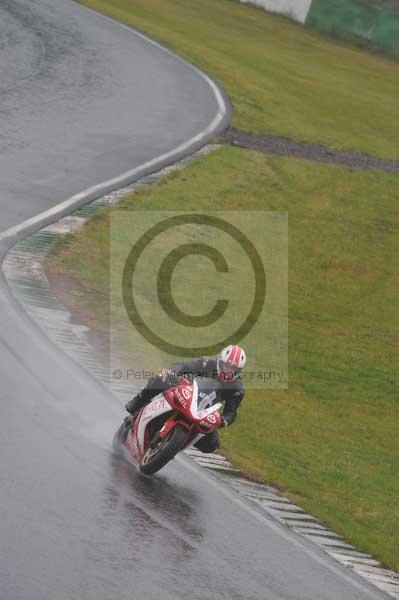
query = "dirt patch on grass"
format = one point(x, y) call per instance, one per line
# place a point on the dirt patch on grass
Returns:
point(282, 146)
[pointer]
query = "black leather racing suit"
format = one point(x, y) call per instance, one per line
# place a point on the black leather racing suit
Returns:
point(229, 392)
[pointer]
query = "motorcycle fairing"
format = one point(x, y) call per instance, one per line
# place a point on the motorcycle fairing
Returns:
point(183, 398)
point(158, 406)
point(190, 402)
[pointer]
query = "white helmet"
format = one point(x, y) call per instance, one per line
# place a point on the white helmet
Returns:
point(230, 363)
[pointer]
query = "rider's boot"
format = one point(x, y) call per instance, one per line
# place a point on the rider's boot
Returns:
point(137, 403)
point(153, 387)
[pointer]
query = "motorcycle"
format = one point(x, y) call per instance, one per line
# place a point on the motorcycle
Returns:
point(173, 420)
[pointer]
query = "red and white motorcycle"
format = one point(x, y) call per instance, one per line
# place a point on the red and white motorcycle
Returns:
point(175, 419)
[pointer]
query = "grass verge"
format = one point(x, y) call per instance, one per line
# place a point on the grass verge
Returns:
point(282, 78)
point(330, 441)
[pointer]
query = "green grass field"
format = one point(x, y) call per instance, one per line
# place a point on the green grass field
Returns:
point(282, 78)
point(331, 440)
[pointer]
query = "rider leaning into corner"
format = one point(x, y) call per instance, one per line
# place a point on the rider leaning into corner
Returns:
point(224, 370)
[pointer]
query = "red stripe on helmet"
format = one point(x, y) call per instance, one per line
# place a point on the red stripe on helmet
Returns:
point(235, 355)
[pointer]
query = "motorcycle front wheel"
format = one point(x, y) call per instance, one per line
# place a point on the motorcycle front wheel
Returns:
point(156, 458)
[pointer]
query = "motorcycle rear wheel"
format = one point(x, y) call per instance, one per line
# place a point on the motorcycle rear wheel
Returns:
point(156, 458)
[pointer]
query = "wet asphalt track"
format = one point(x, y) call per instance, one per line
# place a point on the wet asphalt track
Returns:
point(83, 100)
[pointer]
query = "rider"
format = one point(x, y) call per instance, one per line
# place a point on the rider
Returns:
point(225, 369)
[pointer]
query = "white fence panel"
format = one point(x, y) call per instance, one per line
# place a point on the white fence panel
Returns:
point(296, 9)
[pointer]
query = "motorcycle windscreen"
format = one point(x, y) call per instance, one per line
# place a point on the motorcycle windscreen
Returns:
point(208, 391)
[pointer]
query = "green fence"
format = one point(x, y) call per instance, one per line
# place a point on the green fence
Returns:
point(345, 18)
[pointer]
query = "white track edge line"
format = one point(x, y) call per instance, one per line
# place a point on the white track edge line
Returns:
point(53, 212)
